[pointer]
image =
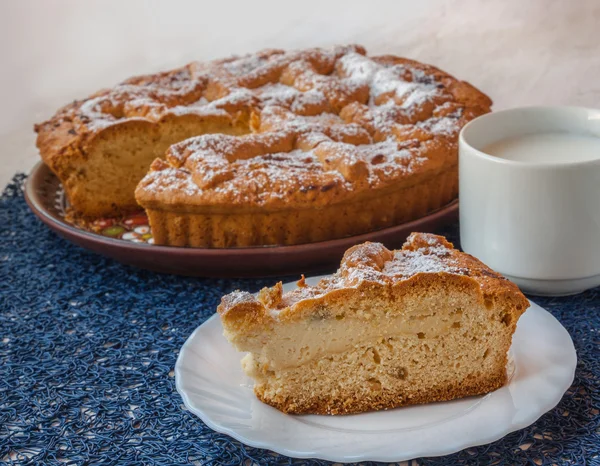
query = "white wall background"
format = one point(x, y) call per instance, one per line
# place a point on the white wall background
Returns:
point(520, 52)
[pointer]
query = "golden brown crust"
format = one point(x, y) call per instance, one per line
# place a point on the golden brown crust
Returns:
point(331, 128)
point(423, 258)
point(341, 149)
point(249, 227)
point(350, 404)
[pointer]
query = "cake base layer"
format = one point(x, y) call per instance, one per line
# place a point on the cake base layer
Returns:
point(349, 403)
point(387, 374)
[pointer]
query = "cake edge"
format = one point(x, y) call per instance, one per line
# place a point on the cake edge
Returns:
point(296, 227)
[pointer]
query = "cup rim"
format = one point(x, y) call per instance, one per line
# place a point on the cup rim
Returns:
point(525, 164)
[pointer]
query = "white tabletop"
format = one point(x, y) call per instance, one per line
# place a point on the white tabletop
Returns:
point(518, 52)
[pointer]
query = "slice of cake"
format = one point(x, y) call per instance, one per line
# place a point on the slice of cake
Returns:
point(389, 328)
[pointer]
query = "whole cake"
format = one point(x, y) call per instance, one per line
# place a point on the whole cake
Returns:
point(271, 148)
point(390, 328)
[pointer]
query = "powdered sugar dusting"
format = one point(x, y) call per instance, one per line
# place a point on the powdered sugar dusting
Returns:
point(244, 65)
point(238, 297)
point(409, 263)
point(301, 93)
point(375, 264)
point(443, 126)
point(278, 94)
point(387, 80)
point(419, 95)
point(385, 159)
point(173, 180)
point(359, 67)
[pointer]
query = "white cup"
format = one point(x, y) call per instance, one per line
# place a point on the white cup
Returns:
point(537, 223)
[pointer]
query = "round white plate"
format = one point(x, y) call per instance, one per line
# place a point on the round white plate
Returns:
point(210, 380)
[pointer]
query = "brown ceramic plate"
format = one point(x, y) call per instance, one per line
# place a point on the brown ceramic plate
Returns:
point(46, 199)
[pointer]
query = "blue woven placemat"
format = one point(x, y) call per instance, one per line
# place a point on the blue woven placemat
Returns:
point(88, 346)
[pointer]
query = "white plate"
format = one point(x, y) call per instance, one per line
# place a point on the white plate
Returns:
point(210, 380)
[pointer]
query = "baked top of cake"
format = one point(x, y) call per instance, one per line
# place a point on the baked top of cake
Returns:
point(323, 126)
point(423, 257)
point(390, 328)
point(270, 148)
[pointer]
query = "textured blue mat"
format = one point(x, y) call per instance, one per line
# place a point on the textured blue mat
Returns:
point(87, 348)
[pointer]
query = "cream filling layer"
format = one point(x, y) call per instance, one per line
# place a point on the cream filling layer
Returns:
point(292, 345)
